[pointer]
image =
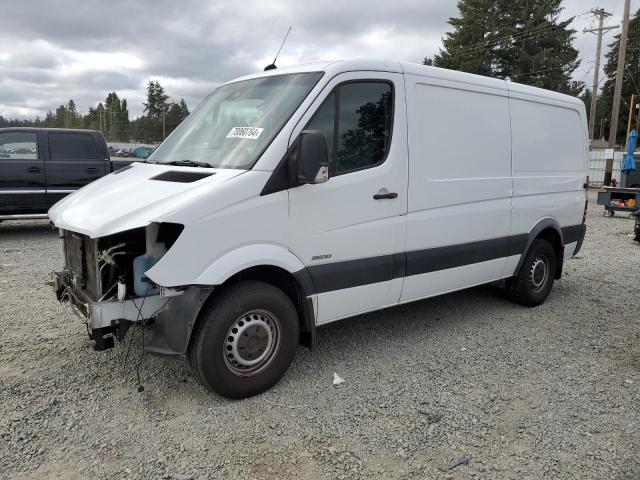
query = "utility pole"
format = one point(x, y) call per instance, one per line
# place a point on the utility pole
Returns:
point(615, 111)
point(632, 107)
point(600, 15)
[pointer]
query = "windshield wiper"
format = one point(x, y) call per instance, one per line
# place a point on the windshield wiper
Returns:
point(188, 163)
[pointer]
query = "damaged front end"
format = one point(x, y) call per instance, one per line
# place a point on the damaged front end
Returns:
point(103, 280)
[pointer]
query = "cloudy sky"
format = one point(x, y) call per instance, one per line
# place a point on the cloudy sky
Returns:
point(53, 50)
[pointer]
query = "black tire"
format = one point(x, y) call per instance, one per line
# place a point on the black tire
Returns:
point(533, 283)
point(252, 316)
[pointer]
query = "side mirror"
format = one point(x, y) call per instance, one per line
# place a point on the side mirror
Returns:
point(313, 157)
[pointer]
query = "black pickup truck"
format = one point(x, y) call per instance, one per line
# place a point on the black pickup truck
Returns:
point(39, 166)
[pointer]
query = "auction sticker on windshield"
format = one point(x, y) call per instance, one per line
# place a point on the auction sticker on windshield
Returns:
point(251, 133)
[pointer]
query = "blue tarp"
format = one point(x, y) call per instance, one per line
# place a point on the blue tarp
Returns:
point(629, 163)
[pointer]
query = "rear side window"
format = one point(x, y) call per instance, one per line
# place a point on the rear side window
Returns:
point(72, 146)
point(357, 120)
point(18, 146)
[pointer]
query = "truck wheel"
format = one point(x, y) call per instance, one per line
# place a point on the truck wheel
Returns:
point(531, 286)
point(245, 340)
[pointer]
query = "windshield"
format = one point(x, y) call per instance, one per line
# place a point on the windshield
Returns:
point(232, 126)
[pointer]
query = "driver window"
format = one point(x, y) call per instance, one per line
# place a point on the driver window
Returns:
point(356, 119)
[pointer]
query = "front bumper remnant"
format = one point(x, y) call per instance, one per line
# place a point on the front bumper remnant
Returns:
point(174, 316)
point(107, 314)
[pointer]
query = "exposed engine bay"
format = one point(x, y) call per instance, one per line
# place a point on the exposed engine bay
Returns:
point(104, 278)
point(102, 269)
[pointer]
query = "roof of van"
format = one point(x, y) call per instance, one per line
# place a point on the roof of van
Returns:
point(341, 66)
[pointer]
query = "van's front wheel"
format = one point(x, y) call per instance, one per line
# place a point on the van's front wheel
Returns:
point(532, 285)
point(245, 340)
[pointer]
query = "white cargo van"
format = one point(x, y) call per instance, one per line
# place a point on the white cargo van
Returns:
point(296, 197)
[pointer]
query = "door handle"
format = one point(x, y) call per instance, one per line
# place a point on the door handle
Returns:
point(92, 170)
point(382, 196)
point(34, 170)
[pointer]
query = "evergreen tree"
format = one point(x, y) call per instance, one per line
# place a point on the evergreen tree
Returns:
point(156, 99)
point(471, 45)
point(520, 40)
point(184, 110)
point(123, 122)
point(60, 118)
point(49, 120)
point(112, 113)
point(155, 106)
point(540, 52)
point(176, 113)
point(631, 79)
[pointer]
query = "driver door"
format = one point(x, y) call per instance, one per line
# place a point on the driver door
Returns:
point(350, 230)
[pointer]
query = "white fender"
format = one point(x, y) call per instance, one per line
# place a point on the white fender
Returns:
point(246, 257)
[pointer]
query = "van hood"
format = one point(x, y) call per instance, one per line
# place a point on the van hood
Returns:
point(134, 197)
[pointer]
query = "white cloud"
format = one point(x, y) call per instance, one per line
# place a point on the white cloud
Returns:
point(192, 45)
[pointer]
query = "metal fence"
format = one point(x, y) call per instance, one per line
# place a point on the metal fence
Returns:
point(597, 164)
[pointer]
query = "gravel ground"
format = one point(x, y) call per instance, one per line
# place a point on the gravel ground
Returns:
point(467, 378)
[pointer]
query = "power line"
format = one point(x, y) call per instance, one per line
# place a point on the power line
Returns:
point(586, 73)
point(541, 71)
point(518, 40)
point(530, 33)
point(514, 38)
point(632, 80)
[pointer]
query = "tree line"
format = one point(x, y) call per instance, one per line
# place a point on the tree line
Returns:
point(524, 41)
point(161, 116)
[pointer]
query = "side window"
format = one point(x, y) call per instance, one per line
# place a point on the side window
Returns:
point(324, 120)
point(356, 119)
point(18, 146)
point(72, 146)
point(364, 125)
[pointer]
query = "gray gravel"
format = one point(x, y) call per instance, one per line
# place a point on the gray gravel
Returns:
point(467, 385)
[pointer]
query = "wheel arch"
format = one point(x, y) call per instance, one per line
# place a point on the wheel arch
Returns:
point(295, 286)
point(273, 264)
point(269, 263)
point(548, 229)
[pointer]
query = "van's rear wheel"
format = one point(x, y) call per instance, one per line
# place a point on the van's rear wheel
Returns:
point(245, 340)
point(533, 283)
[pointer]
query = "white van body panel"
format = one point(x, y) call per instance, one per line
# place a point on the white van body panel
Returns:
point(246, 257)
point(431, 284)
point(348, 302)
point(459, 175)
point(234, 223)
point(545, 126)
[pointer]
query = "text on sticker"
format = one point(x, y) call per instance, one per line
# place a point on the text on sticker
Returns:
point(251, 133)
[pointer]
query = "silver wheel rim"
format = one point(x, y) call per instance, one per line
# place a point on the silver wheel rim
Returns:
point(538, 273)
point(252, 343)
